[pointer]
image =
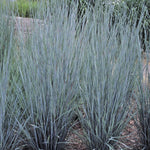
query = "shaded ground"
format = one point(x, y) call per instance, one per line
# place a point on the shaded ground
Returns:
point(74, 141)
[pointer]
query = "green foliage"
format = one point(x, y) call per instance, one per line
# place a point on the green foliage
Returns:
point(25, 8)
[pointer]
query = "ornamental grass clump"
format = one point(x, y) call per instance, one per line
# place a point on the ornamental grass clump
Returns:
point(8, 104)
point(49, 65)
point(108, 79)
point(63, 64)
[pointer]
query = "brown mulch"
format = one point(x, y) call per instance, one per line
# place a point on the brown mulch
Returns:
point(74, 141)
point(130, 135)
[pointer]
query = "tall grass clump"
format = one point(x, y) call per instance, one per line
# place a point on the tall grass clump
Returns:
point(8, 104)
point(48, 64)
point(108, 78)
